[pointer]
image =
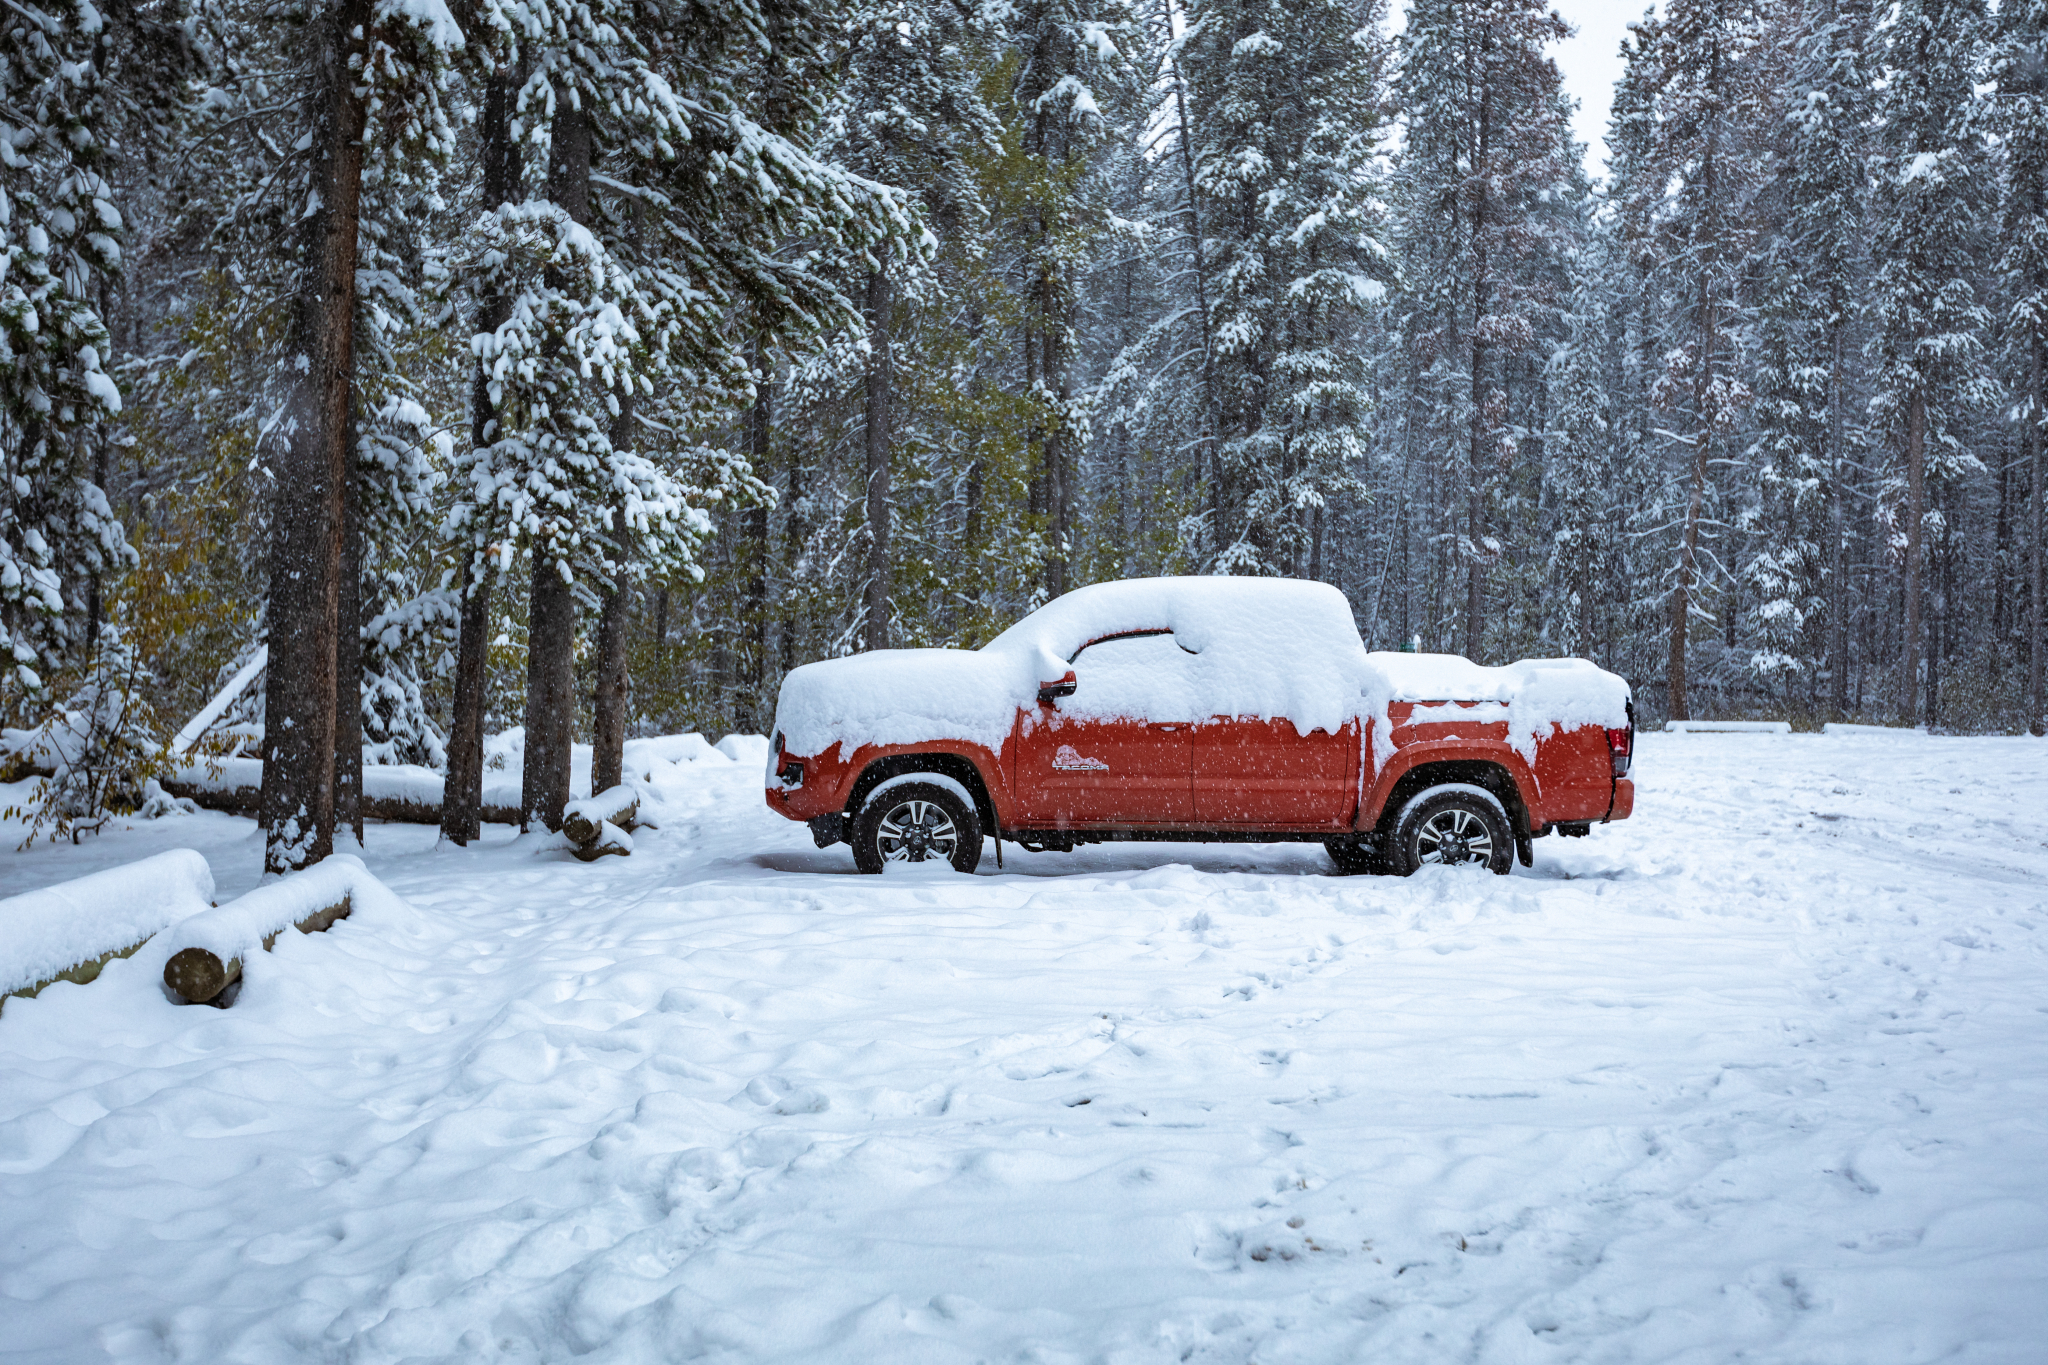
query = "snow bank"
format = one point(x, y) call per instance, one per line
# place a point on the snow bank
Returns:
point(52, 930)
point(239, 928)
point(1728, 727)
point(1843, 728)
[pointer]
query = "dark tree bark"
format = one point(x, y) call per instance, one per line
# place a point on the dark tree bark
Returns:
point(551, 606)
point(2037, 719)
point(311, 464)
point(760, 418)
point(881, 362)
point(463, 793)
point(608, 701)
point(1475, 460)
point(1916, 513)
point(793, 533)
point(348, 657)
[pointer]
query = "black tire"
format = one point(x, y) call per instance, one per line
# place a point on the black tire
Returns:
point(1453, 825)
point(916, 822)
point(1352, 856)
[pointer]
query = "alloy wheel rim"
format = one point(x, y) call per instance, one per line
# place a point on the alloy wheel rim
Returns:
point(1454, 836)
point(916, 830)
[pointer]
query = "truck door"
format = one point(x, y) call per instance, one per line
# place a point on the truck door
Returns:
point(1265, 774)
point(1115, 753)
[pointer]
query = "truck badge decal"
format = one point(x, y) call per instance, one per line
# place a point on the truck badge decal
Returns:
point(1068, 761)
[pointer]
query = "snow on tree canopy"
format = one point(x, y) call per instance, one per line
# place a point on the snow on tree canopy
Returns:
point(1249, 647)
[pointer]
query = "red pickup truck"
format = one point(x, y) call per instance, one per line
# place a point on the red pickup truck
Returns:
point(1198, 709)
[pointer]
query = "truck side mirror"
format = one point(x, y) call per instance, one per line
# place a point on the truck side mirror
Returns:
point(1050, 692)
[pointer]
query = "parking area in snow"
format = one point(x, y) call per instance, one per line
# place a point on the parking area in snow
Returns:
point(1759, 1074)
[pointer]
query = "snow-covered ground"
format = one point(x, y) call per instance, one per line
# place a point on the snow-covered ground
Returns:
point(1760, 1075)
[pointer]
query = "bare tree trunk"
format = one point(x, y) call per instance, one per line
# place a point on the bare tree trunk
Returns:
point(1838, 534)
point(1916, 513)
point(348, 657)
point(875, 604)
point(614, 684)
point(1475, 502)
point(1206, 466)
point(463, 793)
point(1058, 459)
point(551, 606)
point(760, 419)
point(297, 802)
point(2037, 720)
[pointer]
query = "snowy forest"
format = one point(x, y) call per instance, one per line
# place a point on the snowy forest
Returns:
point(584, 367)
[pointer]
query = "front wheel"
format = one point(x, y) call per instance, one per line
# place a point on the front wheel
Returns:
point(1454, 826)
point(915, 822)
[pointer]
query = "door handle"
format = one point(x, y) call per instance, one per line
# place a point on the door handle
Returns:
point(1175, 726)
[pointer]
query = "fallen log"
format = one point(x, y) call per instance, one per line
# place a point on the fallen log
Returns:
point(585, 821)
point(610, 841)
point(240, 797)
point(71, 931)
point(217, 943)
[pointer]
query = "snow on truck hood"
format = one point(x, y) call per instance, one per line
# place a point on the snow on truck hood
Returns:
point(1265, 647)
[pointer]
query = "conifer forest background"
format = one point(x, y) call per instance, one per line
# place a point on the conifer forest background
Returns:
point(585, 366)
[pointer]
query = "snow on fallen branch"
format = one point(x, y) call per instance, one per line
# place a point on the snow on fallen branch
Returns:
point(212, 947)
point(1728, 727)
point(69, 932)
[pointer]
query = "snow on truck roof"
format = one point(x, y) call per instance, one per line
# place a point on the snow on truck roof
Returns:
point(1267, 647)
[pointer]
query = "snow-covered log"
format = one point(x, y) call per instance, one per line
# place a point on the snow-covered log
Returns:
point(69, 932)
point(584, 821)
point(213, 945)
point(1728, 727)
point(608, 841)
point(402, 793)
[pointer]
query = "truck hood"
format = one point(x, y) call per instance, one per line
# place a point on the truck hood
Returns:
point(906, 696)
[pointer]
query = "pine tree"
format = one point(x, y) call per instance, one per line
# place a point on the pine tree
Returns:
point(1927, 219)
point(1283, 105)
point(1488, 151)
point(59, 251)
point(2021, 65)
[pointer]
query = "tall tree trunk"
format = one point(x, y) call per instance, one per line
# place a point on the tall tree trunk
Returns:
point(881, 362)
point(463, 793)
point(297, 801)
point(1838, 530)
point(1058, 456)
point(793, 535)
point(614, 685)
point(551, 605)
point(1475, 501)
point(2037, 720)
point(1916, 513)
point(1205, 460)
point(348, 657)
point(760, 419)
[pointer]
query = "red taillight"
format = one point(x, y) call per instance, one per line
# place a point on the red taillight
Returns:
point(1618, 747)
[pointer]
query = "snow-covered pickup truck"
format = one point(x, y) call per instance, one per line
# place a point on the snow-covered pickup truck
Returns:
point(1198, 709)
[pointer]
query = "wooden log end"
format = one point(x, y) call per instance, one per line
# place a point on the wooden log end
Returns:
point(197, 975)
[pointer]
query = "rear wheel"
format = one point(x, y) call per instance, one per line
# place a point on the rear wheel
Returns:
point(916, 822)
point(1454, 826)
